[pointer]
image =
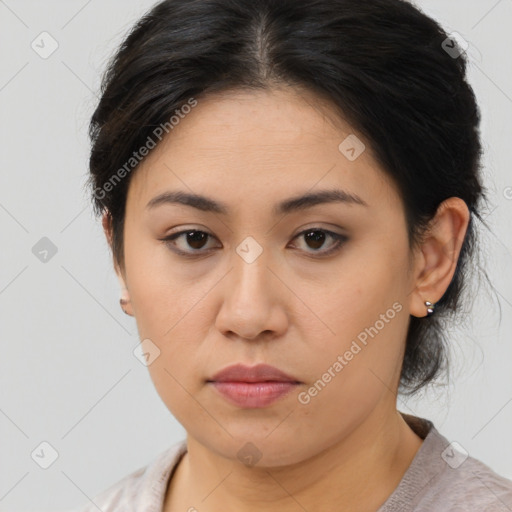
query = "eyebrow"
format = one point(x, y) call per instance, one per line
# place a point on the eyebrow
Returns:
point(297, 203)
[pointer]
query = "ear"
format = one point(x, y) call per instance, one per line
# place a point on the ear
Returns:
point(125, 300)
point(436, 259)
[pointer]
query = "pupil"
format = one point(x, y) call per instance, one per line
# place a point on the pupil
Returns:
point(197, 237)
point(315, 237)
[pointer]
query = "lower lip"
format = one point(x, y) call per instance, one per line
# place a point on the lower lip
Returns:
point(253, 394)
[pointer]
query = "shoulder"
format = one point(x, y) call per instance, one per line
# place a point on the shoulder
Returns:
point(472, 486)
point(142, 489)
point(460, 483)
point(445, 478)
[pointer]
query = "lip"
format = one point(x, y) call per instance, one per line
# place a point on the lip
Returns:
point(258, 373)
point(253, 386)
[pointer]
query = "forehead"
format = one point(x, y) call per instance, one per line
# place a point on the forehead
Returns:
point(267, 144)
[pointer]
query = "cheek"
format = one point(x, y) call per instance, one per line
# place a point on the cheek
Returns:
point(158, 294)
point(362, 291)
point(178, 372)
point(352, 374)
point(176, 382)
point(365, 322)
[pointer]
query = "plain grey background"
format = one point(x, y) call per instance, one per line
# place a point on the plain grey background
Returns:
point(68, 376)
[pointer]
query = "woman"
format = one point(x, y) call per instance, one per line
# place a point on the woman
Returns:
point(289, 189)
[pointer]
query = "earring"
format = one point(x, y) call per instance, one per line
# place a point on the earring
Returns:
point(123, 303)
point(430, 308)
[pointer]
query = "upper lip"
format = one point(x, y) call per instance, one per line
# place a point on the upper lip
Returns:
point(258, 373)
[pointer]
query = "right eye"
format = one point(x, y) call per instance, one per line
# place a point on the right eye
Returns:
point(190, 238)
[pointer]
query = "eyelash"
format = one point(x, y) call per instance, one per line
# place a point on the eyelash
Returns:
point(339, 239)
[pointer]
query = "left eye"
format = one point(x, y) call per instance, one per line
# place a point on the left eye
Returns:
point(314, 237)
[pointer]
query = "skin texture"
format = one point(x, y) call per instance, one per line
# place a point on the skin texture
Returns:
point(348, 447)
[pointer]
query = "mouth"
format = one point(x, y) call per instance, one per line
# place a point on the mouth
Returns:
point(253, 386)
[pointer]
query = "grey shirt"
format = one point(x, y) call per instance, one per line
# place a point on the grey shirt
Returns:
point(441, 478)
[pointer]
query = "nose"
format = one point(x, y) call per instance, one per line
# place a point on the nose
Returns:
point(253, 301)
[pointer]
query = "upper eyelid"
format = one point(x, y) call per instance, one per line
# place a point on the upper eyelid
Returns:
point(301, 232)
point(204, 230)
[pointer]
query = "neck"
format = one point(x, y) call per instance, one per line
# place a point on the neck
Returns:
point(358, 472)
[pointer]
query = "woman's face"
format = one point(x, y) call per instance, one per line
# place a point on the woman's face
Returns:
point(264, 280)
